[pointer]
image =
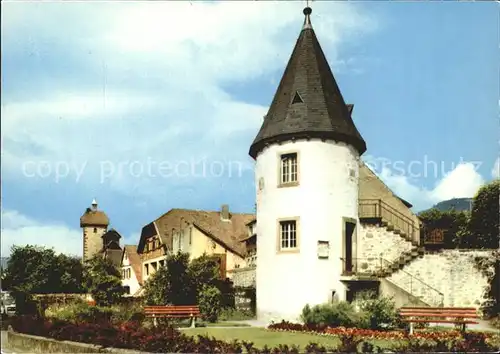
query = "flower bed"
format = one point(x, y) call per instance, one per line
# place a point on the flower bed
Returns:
point(431, 341)
point(130, 335)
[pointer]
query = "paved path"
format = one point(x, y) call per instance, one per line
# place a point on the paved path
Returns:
point(482, 326)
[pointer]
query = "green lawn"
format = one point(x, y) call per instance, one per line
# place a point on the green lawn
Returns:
point(262, 336)
point(203, 324)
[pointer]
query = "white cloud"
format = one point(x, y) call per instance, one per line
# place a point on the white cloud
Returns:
point(495, 171)
point(20, 230)
point(147, 80)
point(462, 181)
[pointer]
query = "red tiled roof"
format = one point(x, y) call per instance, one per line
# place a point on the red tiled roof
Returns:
point(228, 233)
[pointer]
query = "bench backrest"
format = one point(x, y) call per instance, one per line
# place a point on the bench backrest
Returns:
point(172, 310)
point(442, 312)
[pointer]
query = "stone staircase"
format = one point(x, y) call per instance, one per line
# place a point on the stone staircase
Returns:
point(399, 234)
point(388, 267)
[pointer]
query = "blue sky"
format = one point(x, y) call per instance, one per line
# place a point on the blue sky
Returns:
point(97, 91)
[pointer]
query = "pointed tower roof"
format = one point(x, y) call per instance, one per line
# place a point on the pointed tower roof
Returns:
point(308, 102)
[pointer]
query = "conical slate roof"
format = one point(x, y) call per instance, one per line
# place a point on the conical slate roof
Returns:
point(308, 102)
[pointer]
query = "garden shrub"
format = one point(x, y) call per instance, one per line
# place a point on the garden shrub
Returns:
point(80, 312)
point(209, 301)
point(128, 312)
point(495, 322)
point(234, 314)
point(377, 313)
point(169, 340)
point(336, 314)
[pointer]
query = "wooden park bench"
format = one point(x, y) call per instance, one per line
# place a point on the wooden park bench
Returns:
point(456, 315)
point(190, 311)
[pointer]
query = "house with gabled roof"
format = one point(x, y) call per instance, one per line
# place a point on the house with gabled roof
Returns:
point(196, 232)
point(130, 265)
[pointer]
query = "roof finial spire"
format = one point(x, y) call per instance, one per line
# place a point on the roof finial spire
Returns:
point(307, 12)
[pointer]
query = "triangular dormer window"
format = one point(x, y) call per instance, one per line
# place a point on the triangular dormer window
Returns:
point(297, 98)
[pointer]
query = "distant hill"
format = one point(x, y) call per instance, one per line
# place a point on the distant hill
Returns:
point(458, 204)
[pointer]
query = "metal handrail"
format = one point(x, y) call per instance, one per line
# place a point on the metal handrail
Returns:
point(387, 206)
point(375, 270)
point(388, 213)
point(414, 277)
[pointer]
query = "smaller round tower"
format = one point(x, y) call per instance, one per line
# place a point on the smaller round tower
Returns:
point(94, 224)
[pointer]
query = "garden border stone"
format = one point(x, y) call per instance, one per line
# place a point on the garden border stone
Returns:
point(36, 344)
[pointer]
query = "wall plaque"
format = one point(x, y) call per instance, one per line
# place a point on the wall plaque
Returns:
point(323, 249)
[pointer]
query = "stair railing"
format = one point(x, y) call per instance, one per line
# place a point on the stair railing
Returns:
point(376, 208)
point(386, 251)
point(415, 283)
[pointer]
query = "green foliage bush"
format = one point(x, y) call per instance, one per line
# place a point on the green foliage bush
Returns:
point(495, 322)
point(368, 312)
point(132, 312)
point(377, 313)
point(38, 270)
point(103, 281)
point(209, 301)
point(490, 267)
point(336, 314)
point(233, 314)
point(78, 312)
point(455, 222)
point(484, 221)
point(180, 282)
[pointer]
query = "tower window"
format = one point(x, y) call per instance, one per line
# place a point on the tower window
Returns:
point(297, 98)
point(288, 235)
point(95, 229)
point(289, 169)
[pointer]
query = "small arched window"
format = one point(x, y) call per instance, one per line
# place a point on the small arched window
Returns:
point(95, 229)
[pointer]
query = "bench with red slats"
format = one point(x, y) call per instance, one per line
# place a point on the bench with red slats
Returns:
point(190, 311)
point(456, 315)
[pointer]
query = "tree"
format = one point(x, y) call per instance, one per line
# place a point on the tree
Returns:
point(484, 221)
point(103, 281)
point(204, 270)
point(210, 302)
point(38, 270)
point(70, 273)
point(455, 222)
point(180, 282)
point(172, 283)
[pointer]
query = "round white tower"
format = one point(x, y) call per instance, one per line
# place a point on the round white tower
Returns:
point(307, 154)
